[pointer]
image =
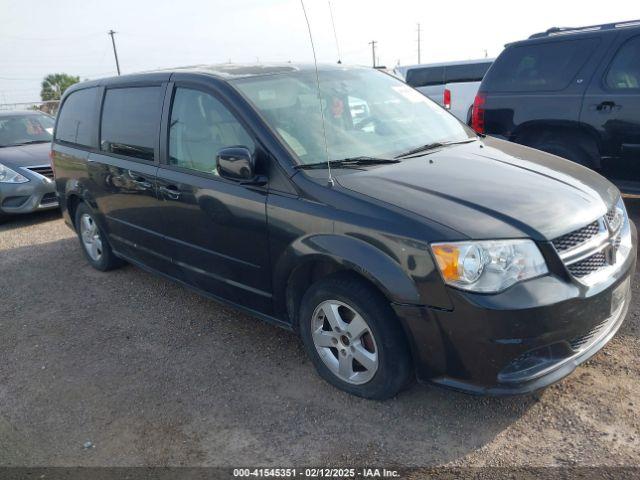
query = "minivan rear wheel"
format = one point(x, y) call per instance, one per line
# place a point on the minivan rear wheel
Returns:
point(93, 241)
point(353, 338)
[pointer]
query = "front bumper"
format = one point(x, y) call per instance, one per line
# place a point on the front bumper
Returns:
point(39, 193)
point(523, 339)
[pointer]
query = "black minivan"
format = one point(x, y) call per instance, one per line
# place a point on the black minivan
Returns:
point(573, 92)
point(399, 244)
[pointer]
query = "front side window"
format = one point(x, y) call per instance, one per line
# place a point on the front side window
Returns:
point(367, 113)
point(200, 127)
point(131, 121)
point(548, 66)
point(25, 129)
point(425, 76)
point(78, 118)
point(624, 73)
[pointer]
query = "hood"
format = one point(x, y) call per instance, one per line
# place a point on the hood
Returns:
point(26, 155)
point(491, 189)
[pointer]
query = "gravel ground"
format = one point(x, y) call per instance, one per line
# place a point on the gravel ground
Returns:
point(152, 374)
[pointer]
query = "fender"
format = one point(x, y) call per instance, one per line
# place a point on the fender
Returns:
point(349, 253)
point(73, 187)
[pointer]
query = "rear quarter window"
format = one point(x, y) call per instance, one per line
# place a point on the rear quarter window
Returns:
point(77, 119)
point(624, 72)
point(472, 72)
point(426, 76)
point(548, 66)
point(131, 121)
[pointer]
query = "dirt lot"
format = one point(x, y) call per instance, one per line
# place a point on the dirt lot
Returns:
point(153, 374)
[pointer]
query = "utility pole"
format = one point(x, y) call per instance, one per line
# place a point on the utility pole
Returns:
point(418, 43)
point(373, 51)
point(115, 52)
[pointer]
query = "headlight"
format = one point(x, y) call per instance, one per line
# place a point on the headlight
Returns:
point(488, 266)
point(625, 246)
point(619, 216)
point(11, 176)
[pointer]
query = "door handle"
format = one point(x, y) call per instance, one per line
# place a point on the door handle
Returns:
point(142, 184)
point(139, 180)
point(170, 191)
point(606, 106)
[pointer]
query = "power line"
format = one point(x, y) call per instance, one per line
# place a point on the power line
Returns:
point(373, 51)
point(115, 52)
point(48, 39)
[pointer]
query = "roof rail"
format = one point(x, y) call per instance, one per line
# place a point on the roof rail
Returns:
point(591, 28)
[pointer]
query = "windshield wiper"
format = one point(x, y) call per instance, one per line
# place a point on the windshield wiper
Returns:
point(432, 146)
point(347, 162)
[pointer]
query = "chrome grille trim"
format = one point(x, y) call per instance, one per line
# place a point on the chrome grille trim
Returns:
point(586, 250)
point(43, 170)
point(577, 237)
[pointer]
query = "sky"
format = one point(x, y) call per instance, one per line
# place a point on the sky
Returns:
point(38, 37)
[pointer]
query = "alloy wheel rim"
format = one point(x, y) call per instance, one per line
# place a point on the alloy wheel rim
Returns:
point(90, 237)
point(344, 341)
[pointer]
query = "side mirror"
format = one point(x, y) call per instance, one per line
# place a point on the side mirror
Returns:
point(236, 163)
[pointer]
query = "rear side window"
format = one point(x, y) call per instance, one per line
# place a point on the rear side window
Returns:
point(77, 119)
point(131, 121)
point(424, 77)
point(472, 72)
point(548, 66)
point(624, 73)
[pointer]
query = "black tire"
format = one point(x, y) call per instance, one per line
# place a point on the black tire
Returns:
point(3, 218)
point(107, 259)
point(394, 367)
point(575, 154)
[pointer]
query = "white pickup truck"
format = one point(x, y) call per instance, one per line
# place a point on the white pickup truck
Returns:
point(451, 84)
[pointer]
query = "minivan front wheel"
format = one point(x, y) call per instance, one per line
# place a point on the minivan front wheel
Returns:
point(94, 243)
point(353, 338)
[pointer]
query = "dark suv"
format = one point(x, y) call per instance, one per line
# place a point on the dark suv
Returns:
point(394, 242)
point(571, 92)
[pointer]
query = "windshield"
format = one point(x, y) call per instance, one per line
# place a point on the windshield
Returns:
point(367, 113)
point(27, 128)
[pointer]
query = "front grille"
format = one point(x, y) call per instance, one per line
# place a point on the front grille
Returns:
point(579, 342)
point(593, 247)
point(589, 265)
point(577, 237)
point(45, 171)
point(617, 242)
point(49, 198)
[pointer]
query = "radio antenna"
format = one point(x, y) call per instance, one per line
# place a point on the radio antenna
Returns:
point(315, 64)
point(335, 35)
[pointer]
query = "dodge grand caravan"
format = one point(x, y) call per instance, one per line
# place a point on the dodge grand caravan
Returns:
point(399, 244)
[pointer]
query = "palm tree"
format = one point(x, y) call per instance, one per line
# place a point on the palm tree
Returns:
point(54, 85)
